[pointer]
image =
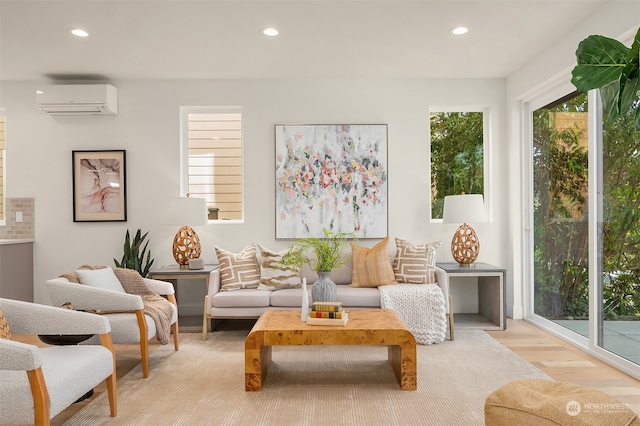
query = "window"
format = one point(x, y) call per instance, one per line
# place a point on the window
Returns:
point(214, 160)
point(3, 139)
point(457, 156)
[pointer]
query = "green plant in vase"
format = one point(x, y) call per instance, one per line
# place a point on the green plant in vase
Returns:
point(322, 254)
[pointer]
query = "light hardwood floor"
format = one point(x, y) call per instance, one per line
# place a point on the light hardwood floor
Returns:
point(558, 359)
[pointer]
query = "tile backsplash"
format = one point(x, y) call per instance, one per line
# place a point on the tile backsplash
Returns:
point(18, 230)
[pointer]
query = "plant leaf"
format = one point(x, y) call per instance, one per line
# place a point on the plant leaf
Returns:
point(630, 95)
point(638, 119)
point(601, 60)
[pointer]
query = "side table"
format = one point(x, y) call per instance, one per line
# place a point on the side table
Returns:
point(491, 314)
point(173, 273)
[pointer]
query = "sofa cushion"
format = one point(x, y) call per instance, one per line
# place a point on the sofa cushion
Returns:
point(241, 299)
point(371, 266)
point(415, 264)
point(287, 297)
point(273, 275)
point(358, 297)
point(238, 271)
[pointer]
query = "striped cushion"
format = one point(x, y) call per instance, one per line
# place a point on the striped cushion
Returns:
point(238, 271)
point(415, 264)
point(5, 331)
point(272, 274)
point(371, 266)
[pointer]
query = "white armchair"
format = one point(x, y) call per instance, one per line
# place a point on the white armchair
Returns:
point(128, 327)
point(55, 376)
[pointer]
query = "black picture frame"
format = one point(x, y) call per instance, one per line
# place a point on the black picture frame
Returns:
point(99, 186)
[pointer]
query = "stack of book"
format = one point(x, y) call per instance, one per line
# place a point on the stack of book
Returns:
point(327, 313)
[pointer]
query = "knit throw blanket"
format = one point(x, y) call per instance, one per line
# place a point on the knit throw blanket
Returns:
point(156, 306)
point(420, 307)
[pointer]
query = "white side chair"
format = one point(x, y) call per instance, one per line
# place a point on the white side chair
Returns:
point(130, 327)
point(37, 383)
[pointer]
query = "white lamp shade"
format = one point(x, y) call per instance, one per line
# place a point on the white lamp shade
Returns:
point(465, 208)
point(187, 211)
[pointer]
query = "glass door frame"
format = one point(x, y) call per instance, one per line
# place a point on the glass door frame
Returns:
point(591, 344)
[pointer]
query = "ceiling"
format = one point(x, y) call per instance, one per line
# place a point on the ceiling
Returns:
point(214, 39)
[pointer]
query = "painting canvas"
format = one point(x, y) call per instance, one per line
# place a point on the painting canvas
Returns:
point(99, 186)
point(331, 177)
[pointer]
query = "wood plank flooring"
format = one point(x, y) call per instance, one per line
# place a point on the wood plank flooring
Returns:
point(564, 362)
point(558, 359)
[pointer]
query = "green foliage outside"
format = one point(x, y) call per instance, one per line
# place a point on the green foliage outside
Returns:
point(457, 160)
point(134, 254)
point(561, 252)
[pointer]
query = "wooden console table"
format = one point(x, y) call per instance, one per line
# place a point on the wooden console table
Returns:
point(364, 327)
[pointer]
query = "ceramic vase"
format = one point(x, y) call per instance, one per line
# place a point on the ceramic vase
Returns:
point(304, 311)
point(324, 290)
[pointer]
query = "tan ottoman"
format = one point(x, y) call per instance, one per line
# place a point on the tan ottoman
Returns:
point(543, 402)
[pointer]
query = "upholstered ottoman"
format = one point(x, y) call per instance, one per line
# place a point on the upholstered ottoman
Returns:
point(543, 402)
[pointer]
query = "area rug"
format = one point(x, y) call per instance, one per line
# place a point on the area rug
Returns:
point(203, 384)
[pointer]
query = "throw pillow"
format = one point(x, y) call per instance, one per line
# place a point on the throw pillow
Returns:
point(371, 267)
point(103, 278)
point(415, 264)
point(238, 270)
point(5, 331)
point(272, 274)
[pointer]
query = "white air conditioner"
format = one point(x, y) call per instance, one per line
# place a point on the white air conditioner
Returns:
point(78, 99)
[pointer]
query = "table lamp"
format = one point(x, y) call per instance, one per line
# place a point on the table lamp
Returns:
point(186, 212)
point(465, 245)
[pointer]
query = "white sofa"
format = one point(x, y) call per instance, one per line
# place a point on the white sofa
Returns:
point(251, 303)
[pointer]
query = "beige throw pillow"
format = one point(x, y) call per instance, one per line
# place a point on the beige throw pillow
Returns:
point(272, 274)
point(371, 266)
point(415, 264)
point(238, 270)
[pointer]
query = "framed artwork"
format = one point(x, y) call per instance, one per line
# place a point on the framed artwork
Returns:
point(99, 186)
point(331, 177)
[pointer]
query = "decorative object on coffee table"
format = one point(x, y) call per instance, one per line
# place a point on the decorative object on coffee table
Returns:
point(465, 245)
point(327, 254)
point(304, 311)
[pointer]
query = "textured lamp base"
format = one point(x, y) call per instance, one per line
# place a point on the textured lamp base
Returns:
point(186, 245)
point(465, 245)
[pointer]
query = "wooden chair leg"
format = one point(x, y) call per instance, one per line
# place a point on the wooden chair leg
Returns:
point(144, 343)
point(40, 394)
point(106, 341)
point(205, 318)
point(451, 333)
point(174, 326)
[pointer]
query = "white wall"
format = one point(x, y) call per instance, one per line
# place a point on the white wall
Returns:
point(147, 127)
point(548, 73)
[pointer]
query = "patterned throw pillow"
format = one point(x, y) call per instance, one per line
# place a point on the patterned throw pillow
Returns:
point(415, 264)
point(5, 331)
point(371, 266)
point(238, 271)
point(272, 274)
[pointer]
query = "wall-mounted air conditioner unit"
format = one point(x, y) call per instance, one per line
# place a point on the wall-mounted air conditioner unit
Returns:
point(78, 99)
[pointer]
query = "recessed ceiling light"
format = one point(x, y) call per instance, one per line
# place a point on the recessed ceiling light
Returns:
point(39, 92)
point(79, 32)
point(271, 32)
point(459, 30)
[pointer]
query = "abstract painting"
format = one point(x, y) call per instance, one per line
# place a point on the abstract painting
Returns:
point(331, 177)
point(99, 186)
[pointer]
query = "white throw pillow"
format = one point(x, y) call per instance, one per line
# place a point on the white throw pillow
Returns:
point(273, 275)
point(103, 278)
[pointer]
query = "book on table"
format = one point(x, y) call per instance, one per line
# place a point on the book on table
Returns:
point(325, 314)
point(326, 306)
point(328, 321)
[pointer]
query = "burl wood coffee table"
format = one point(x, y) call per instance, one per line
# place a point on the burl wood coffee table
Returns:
point(364, 327)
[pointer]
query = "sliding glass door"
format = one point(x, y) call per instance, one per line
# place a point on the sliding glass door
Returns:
point(585, 204)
